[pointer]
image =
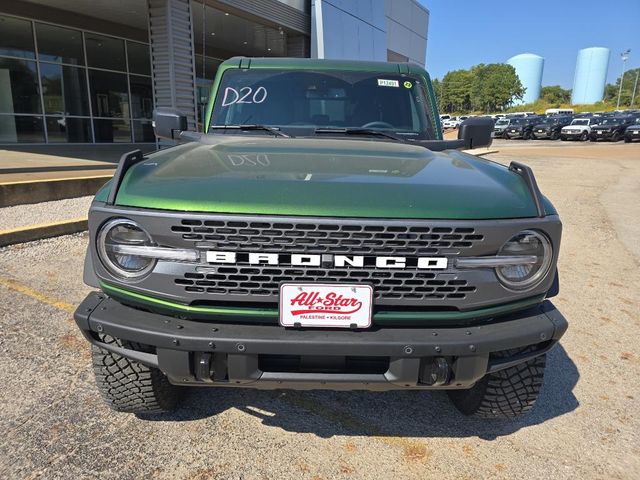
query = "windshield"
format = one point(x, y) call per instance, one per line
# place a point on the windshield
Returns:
point(298, 102)
point(502, 122)
point(611, 121)
point(580, 122)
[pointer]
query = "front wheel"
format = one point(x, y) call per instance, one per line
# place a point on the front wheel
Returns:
point(554, 136)
point(615, 137)
point(584, 137)
point(627, 140)
point(504, 394)
point(129, 386)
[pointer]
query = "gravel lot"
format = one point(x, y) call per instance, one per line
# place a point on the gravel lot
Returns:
point(45, 212)
point(585, 425)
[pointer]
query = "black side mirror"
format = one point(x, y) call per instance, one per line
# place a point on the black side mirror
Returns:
point(475, 132)
point(168, 122)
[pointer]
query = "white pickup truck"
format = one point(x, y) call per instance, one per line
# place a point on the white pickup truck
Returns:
point(579, 129)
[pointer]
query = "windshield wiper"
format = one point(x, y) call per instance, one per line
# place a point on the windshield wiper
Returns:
point(360, 131)
point(273, 130)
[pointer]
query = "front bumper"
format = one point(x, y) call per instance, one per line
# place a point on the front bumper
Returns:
point(514, 135)
point(541, 134)
point(601, 134)
point(570, 134)
point(632, 135)
point(269, 357)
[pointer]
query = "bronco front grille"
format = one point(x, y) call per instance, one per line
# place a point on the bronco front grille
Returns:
point(313, 236)
point(265, 281)
point(307, 237)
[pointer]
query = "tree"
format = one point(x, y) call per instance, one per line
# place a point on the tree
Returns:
point(486, 88)
point(611, 91)
point(494, 87)
point(555, 95)
point(456, 91)
point(437, 91)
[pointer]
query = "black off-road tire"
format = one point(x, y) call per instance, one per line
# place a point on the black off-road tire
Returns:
point(615, 137)
point(584, 137)
point(129, 386)
point(504, 394)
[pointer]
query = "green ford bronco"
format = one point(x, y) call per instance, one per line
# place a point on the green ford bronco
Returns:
point(321, 234)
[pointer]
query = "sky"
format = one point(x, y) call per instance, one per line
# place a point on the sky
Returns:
point(463, 33)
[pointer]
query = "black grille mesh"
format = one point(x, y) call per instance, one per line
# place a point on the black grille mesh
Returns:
point(351, 239)
point(265, 281)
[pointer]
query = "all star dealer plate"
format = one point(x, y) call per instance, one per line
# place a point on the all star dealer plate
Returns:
point(325, 305)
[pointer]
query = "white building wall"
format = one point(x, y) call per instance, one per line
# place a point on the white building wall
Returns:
point(369, 30)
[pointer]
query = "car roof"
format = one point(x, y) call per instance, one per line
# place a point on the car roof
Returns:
point(323, 64)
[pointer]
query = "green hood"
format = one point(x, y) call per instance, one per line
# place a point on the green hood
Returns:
point(324, 177)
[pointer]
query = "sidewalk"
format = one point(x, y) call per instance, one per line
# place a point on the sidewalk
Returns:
point(43, 162)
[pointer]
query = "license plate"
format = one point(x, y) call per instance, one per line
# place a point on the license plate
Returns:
point(637, 133)
point(325, 305)
point(540, 131)
point(513, 131)
point(600, 133)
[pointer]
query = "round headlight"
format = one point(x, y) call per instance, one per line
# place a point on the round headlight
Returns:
point(526, 243)
point(114, 238)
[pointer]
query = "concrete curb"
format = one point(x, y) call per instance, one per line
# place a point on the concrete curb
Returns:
point(37, 191)
point(38, 232)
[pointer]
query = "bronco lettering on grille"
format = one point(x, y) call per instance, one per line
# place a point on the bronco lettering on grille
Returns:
point(310, 260)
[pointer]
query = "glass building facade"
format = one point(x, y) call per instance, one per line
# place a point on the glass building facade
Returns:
point(75, 72)
point(62, 85)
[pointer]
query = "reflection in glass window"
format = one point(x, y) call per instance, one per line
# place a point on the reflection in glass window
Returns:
point(141, 96)
point(57, 44)
point(109, 96)
point(139, 58)
point(21, 129)
point(16, 38)
point(105, 52)
point(68, 129)
point(64, 89)
point(112, 131)
point(18, 86)
point(143, 131)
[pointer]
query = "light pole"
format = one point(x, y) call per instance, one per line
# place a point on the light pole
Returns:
point(624, 56)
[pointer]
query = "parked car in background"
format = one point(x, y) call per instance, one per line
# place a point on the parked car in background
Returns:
point(500, 127)
point(558, 111)
point(611, 128)
point(579, 129)
point(550, 127)
point(521, 127)
point(444, 117)
point(632, 132)
point(451, 123)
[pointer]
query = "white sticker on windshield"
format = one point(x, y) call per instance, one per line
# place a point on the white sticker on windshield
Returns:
point(388, 83)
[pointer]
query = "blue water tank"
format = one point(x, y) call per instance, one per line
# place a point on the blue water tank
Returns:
point(591, 75)
point(529, 68)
